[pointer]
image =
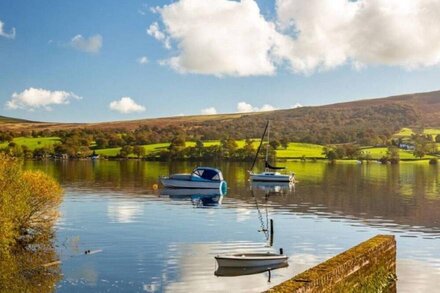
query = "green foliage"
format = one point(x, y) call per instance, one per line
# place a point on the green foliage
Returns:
point(79, 143)
point(125, 151)
point(420, 151)
point(275, 144)
point(392, 155)
point(330, 154)
point(228, 146)
point(284, 142)
point(139, 151)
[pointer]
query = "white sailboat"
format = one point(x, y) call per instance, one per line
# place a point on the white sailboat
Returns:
point(270, 174)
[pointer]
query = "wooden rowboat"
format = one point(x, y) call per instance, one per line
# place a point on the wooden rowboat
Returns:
point(251, 259)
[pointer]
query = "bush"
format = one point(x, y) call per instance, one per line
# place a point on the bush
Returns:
point(29, 202)
point(433, 161)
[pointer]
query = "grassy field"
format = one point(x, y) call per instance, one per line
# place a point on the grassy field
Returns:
point(298, 150)
point(157, 147)
point(378, 152)
point(33, 143)
point(404, 132)
point(432, 131)
point(407, 132)
point(294, 150)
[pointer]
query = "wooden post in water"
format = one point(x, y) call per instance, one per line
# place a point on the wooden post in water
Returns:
point(271, 233)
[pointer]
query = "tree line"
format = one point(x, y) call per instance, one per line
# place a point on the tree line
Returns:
point(80, 143)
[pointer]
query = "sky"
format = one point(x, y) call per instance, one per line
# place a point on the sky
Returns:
point(91, 61)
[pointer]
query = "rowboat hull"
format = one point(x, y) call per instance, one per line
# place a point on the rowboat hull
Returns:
point(240, 271)
point(251, 260)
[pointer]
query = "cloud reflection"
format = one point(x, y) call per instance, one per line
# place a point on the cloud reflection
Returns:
point(417, 276)
point(124, 212)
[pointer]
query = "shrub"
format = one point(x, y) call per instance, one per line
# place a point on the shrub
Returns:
point(29, 202)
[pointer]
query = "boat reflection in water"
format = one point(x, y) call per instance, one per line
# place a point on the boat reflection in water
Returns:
point(198, 197)
point(242, 271)
point(273, 187)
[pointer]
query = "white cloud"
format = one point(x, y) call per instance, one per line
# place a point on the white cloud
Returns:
point(126, 105)
point(10, 35)
point(267, 107)
point(154, 31)
point(297, 105)
point(34, 98)
point(331, 33)
point(222, 37)
point(219, 37)
point(142, 60)
point(243, 107)
point(90, 45)
point(209, 111)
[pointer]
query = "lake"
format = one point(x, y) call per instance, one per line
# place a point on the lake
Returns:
point(145, 240)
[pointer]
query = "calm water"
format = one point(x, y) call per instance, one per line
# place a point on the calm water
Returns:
point(152, 241)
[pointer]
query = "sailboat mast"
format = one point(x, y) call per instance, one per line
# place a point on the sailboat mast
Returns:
point(259, 146)
point(268, 140)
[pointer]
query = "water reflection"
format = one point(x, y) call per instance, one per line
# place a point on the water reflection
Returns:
point(30, 269)
point(124, 211)
point(160, 242)
point(198, 197)
point(273, 187)
point(195, 263)
point(404, 196)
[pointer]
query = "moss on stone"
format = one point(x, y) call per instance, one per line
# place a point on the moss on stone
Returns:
point(367, 267)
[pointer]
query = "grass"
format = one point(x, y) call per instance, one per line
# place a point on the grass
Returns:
point(378, 152)
point(294, 150)
point(404, 132)
point(33, 142)
point(157, 147)
point(432, 131)
point(407, 132)
point(110, 152)
point(298, 150)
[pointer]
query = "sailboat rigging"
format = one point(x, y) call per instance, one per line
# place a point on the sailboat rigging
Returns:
point(269, 174)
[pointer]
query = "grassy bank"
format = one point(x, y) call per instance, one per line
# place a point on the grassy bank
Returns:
point(33, 142)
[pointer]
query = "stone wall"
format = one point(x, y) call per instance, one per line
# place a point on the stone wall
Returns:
point(367, 267)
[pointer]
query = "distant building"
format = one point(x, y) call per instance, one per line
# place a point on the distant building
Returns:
point(407, 146)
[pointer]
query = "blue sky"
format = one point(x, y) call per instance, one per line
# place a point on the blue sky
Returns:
point(68, 61)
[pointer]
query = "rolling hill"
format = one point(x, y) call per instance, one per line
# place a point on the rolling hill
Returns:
point(333, 123)
point(10, 120)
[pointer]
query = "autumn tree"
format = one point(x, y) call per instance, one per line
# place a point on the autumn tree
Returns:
point(29, 203)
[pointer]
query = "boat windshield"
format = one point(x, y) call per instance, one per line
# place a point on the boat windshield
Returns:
point(208, 174)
